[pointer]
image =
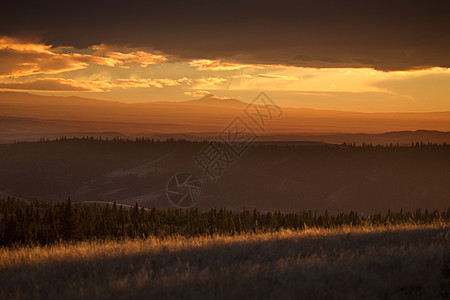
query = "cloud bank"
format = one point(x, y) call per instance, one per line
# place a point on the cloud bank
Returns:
point(385, 35)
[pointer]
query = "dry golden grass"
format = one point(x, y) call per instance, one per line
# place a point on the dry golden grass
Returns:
point(371, 262)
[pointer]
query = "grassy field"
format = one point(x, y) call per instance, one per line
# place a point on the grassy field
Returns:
point(403, 262)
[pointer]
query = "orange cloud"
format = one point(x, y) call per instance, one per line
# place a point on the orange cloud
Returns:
point(58, 84)
point(209, 81)
point(198, 93)
point(272, 76)
point(218, 65)
point(147, 82)
point(140, 57)
point(61, 84)
point(20, 58)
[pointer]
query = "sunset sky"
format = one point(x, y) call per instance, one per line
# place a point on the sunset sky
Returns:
point(355, 55)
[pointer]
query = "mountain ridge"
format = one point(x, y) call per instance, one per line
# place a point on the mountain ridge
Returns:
point(210, 99)
point(207, 114)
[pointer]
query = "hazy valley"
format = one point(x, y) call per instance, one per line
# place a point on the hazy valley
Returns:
point(267, 177)
point(30, 117)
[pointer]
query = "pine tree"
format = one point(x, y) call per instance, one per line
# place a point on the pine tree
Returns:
point(11, 231)
point(69, 228)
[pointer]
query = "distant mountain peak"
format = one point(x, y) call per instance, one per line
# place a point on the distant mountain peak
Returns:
point(209, 96)
point(213, 100)
point(212, 97)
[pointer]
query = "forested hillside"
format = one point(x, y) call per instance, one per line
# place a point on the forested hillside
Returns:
point(268, 177)
point(47, 223)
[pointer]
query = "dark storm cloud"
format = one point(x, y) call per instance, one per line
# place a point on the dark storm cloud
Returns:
point(386, 35)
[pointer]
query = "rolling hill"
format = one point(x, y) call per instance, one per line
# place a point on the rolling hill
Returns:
point(268, 177)
point(26, 116)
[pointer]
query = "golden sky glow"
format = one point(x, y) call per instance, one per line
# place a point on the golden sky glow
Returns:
point(140, 75)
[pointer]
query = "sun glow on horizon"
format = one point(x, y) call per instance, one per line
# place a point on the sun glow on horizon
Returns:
point(137, 75)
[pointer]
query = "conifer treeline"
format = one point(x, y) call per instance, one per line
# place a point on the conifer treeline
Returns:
point(27, 223)
point(169, 141)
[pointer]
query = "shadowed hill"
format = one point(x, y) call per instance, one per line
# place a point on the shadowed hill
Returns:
point(268, 177)
point(30, 117)
point(209, 114)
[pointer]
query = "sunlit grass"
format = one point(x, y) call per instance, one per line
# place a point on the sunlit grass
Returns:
point(398, 261)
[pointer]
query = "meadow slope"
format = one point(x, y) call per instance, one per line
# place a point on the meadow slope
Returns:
point(402, 262)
